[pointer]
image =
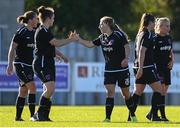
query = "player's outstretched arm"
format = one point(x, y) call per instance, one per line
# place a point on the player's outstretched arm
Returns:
point(86, 43)
point(62, 42)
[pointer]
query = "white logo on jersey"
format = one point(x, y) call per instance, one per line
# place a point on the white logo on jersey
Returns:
point(30, 45)
point(107, 49)
point(165, 48)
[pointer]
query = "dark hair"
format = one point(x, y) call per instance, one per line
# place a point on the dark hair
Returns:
point(145, 20)
point(45, 12)
point(113, 26)
point(23, 19)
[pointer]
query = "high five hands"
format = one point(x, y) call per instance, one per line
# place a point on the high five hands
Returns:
point(74, 36)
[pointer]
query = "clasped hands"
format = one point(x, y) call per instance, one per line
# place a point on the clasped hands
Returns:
point(74, 36)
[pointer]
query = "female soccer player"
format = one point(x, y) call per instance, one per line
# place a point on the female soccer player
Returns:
point(144, 68)
point(21, 52)
point(43, 64)
point(164, 59)
point(115, 47)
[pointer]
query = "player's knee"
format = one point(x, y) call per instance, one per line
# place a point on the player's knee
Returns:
point(23, 93)
point(126, 95)
point(49, 92)
point(110, 93)
point(138, 92)
point(32, 89)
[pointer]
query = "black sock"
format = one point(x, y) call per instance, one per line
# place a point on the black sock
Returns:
point(20, 102)
point(109, 107)
point(150, 112)
point(136, 101)
point(155, 102)
point(31, 103)
point(162, 107)
point(49, 109)
point(130, 106)
point(43, 107)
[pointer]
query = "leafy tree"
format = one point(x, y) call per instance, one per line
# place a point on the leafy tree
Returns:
point(84, 15)
point(175, 18)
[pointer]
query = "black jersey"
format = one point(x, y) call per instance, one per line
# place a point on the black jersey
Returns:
point(113, 49)
point(25, 45)
point(42, 46)
point(145, 39)
point(163, 47)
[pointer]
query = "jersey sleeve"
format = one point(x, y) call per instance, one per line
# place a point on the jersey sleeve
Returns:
point(122, 37)
point(17, 38)
point(19, 35)
point(97, 41)
point(146, 40)
point(49, 36)
point(46, 35)
point(124, 40)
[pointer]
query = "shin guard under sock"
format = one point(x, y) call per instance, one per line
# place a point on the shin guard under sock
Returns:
point(109, 107)
point(31, 103)
point(20, 102)
point(155, 102)
point(130, 106)
point(162, 107)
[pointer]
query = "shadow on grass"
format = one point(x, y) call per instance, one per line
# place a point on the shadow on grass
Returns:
point(115, 122)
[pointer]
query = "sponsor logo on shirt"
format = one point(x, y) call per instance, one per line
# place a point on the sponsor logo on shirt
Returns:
point(165, 48)
point(107, 49)
point(30, 45)
point(108, 43)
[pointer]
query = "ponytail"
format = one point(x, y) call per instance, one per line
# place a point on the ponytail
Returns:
point(44, 13)
point(21, 19)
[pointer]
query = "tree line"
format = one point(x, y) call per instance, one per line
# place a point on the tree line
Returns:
point(84, 15)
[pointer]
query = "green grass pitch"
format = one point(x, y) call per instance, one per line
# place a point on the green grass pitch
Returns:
point(88, 116)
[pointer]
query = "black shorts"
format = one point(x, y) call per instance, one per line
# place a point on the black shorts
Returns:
point(149, 76)
point(164, 76)
point(44, 68)
point(24, 73)
point(122, 78)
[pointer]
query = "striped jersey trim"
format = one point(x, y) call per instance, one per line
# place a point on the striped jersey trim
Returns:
point(22, 29)
point(45, 29)
point(22, 63)
point(148, 66)
point(42, 62)
point(117, 70)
